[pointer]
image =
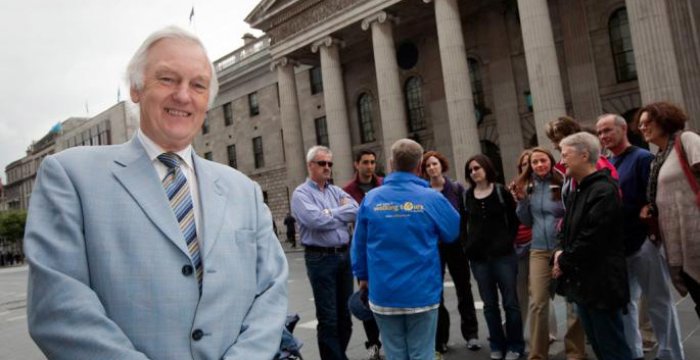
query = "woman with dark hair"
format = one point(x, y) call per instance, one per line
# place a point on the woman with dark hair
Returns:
point(538, 192)
point(673, 200)
point(491, 228)
point(452, 255)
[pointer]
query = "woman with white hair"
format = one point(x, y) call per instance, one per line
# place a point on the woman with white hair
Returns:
point(590, 263)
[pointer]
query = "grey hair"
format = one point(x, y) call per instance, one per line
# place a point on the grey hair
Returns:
point(406, 155)
point(584, 142)
point(618, 120)
point(137, 65)
point(311, 154)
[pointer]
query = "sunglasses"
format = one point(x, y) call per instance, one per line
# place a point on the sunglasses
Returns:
point(323, 163)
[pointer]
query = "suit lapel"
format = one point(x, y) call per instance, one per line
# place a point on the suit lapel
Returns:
point(135, 171)
point(212, 202)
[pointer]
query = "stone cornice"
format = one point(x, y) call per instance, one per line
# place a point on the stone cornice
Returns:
point(351, 16)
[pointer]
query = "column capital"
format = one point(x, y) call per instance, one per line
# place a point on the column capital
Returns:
point(327, 41)
point(282, 62)
point(380, 17)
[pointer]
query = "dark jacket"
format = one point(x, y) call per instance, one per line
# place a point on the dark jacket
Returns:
point(353, 187)
point(593, 244)
point(491, 224)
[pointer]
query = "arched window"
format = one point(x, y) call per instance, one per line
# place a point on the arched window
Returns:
point(621, 44)
point(364, 113)
point(413, 92)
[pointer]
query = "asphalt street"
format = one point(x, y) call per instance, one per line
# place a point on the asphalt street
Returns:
point(15, 343)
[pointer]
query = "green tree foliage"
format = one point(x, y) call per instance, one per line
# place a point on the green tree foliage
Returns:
point(12, 225)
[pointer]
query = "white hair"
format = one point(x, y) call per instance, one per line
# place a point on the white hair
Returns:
point(137, 65)
point(584, 142)
point(311, 154)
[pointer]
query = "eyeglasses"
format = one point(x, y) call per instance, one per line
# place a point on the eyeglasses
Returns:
point(474, 169)
point(323, 163)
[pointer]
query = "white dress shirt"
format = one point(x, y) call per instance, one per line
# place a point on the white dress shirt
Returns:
point(153, 150)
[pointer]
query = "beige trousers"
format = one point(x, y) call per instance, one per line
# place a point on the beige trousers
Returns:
point(574, 340)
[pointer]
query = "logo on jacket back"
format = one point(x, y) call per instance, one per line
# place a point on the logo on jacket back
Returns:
point(399, 210)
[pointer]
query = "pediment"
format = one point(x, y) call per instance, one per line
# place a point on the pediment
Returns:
point(268, 8)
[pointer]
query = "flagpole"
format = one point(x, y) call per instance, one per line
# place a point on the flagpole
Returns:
point(192, 22)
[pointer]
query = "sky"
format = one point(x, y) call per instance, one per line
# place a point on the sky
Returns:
point(65, 58)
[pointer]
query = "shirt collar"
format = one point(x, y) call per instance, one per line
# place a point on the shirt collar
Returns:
point(153, 150)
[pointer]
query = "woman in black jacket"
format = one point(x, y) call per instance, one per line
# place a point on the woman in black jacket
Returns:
point(491, 228)
point(590, 263)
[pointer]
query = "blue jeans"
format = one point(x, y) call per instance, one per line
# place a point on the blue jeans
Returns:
point(331, 280)
point(648, 274)
point(605, 331)
point(408, 337)
point(492, 276)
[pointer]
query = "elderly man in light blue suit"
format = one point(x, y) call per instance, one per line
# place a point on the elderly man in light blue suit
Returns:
point(145, 250)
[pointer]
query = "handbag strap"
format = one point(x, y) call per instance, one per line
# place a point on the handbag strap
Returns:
point(685, 165)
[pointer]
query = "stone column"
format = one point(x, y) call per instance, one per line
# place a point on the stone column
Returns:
point(654, 55)
point(391, 103)
point(336, 108)
point(291, 122)
point(684, 32)
point(578, 51)
point(542, 65)
point(505, 95)
point(458, 92)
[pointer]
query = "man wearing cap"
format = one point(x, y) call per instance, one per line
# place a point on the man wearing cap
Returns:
point(395, 254)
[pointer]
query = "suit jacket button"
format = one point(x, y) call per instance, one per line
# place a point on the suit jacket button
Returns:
point(187, 270)
point(197, 335)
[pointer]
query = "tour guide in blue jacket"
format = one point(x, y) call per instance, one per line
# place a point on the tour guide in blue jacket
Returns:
point(395, 253)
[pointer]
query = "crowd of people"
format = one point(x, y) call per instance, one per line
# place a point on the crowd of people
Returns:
point(606, 226)
point(145, 250)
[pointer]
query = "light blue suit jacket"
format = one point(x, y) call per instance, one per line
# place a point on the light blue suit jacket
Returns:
point(106, 260)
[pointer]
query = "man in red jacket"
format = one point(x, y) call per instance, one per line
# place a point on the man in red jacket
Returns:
point(365, 180)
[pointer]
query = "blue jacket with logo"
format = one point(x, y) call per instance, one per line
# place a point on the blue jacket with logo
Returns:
point(395, 246)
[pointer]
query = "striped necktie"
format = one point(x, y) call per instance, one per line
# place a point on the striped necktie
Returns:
point(178, 191)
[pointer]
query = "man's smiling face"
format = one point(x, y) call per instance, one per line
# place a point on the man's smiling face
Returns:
point(175, 94)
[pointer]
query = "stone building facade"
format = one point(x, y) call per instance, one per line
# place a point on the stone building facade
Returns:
point(460, 76)
point(113, 126)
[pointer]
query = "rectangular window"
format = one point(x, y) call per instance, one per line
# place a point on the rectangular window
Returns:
point(258, 152)
point(205, 126)
point(231, 150)
point(321, 131)
point(228, 114)
point(316, 80)
point(253, 104)
point(208, 155)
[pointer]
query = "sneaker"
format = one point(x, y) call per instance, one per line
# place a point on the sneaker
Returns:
point(512, 355)
point(373, 352)
point(496, 355)
point(441, 348)
point(473, 344)
point(438, 355)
